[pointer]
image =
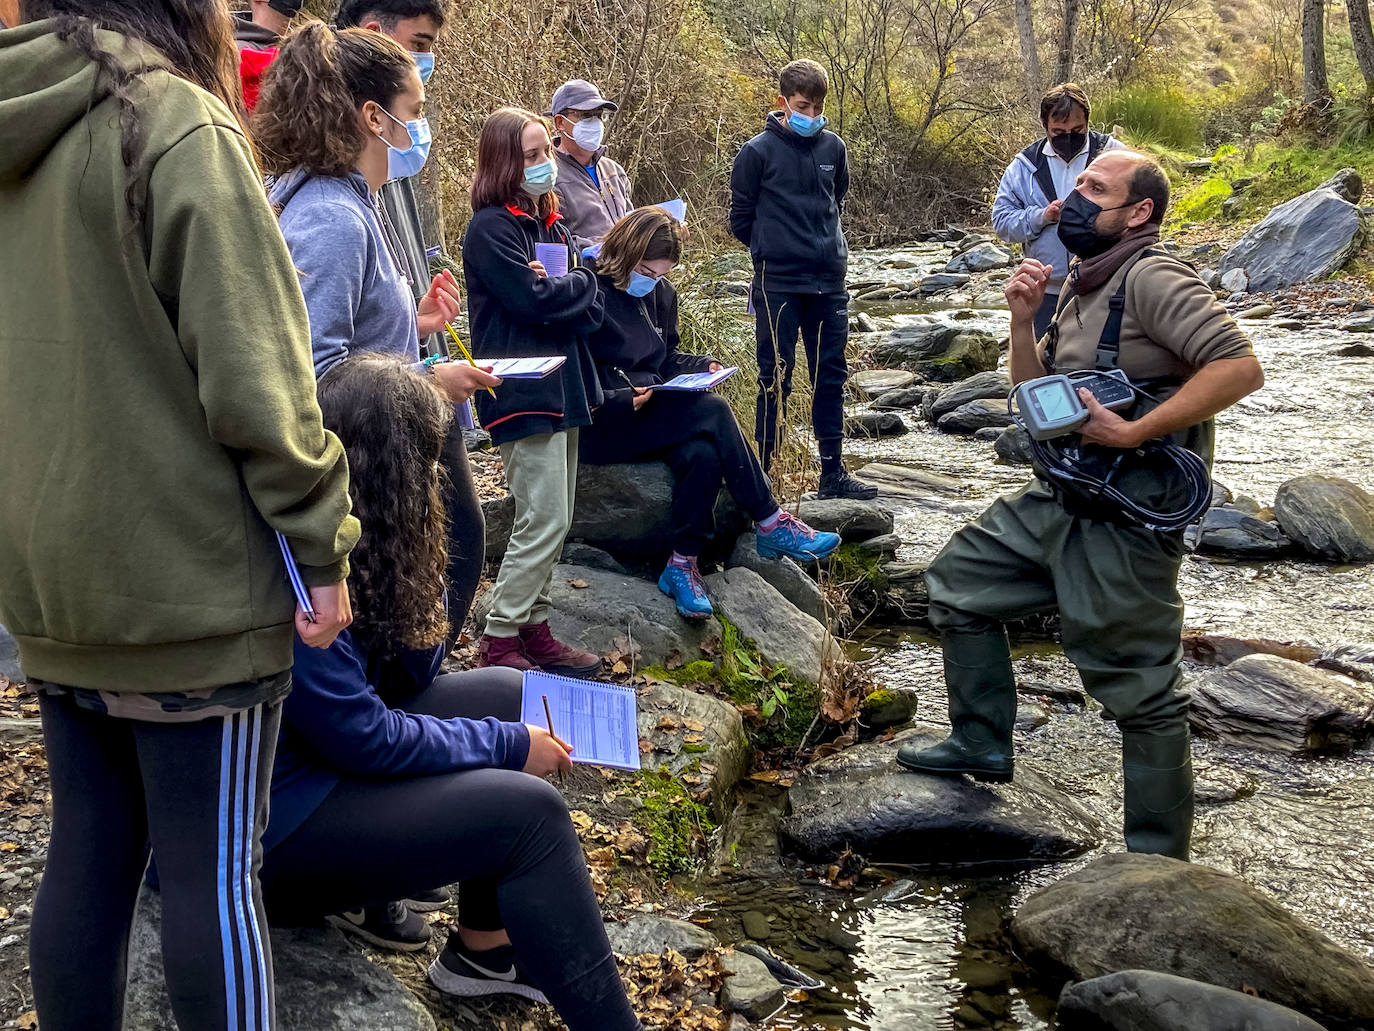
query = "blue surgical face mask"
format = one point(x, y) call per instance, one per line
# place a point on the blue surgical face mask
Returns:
point(540, 178)
point(425, 64)
point(805, 125)
point(640, 285)
point(402, 164)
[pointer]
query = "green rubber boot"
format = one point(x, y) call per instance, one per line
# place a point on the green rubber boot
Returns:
point(1159, 793)
point(982, 708)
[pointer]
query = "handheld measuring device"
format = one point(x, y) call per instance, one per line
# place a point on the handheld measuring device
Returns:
point(1050, 406)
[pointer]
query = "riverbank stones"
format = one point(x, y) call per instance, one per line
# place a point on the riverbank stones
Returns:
point(874, 382)
point(647, 933)
point(1142, 1000)
point(1275, 704)
point(1328, 517)
point(784, 635)
point(1232, 531)
point(749, 988)
point(974, 388)
point(901, 400)
point(852, 520)
point(937, 349)
point(976, 415)
point(788, 578)
point(1013, 446)
point(873, 424)
point(1129, 911)
point(860, 799)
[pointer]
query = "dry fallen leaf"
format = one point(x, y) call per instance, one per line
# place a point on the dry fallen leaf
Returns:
point(579, 584)
point(27, 1021)
point(620, 667)
point(692, 724)
point(9, 846)
point(581, 821)
point(645, 745)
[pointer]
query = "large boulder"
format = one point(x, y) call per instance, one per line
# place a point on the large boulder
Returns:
point(623, 509)
point(1143, 1000)
point(861, 799)
point(749, 988)
point(975, 388)
point(601, 611)
point(323, 981)
point(853, 520)
point(1307, 238)
point(990, 412)
point(1130, 911)
point(1328, 517)
point(784, 635)
point(1276, 704)
point(938, 349)
point(981, 257)
point(788, 578)
point(689, 731)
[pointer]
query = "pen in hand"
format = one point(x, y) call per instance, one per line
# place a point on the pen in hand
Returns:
point(467, 355)
point(548, 718)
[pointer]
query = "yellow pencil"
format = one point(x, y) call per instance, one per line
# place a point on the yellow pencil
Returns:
point(548, 718)
point(464, 351)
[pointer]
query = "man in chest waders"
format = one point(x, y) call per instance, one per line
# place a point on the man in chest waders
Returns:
point(1106, 559)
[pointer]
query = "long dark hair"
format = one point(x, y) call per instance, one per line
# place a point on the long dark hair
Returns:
point(307, 114)
point(392, 424)
point(501, 164)
point(196, 36)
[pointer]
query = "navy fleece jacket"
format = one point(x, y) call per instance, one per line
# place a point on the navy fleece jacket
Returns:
point(335, 725)
point(786, 193)
point(350, 272)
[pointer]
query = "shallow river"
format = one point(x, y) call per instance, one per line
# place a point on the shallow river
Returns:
point(929, 952)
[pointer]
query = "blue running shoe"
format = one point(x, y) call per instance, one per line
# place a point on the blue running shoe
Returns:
point(683, 584)
point(796, 540)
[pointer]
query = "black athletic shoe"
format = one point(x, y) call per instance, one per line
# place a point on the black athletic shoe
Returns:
point(842, 485)
point(427, 901)
point(460, 971)
point(392, 926)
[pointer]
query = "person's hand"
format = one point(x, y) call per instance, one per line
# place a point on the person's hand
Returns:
point(459, 380)
point(547, 753)
point(714, 367)
point(440, 304)
point(642, 395)
point(1105, 427)
point(539, 269)
point(1026, 289)
point(333, 613)
point(1052, 212)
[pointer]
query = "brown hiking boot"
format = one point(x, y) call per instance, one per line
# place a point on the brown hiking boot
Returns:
point(553, 656)
point(502, 651)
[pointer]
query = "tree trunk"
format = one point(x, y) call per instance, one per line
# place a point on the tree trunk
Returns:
point(1063, 71)
point(1030, 56)
point(1362, 36)
point(1314, 85)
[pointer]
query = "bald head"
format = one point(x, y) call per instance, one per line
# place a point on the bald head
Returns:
point(1127, 177)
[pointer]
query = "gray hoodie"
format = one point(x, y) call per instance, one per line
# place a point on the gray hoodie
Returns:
point(589, 209)
point(350, 271)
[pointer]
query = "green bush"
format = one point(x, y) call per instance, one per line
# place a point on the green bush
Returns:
point(1161, 116)
point(1201, 202)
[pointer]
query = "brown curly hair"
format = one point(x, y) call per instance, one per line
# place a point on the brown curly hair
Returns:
point(392, 424)
point(307, 112)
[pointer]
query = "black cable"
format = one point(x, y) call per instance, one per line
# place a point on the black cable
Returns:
point(1063, 467)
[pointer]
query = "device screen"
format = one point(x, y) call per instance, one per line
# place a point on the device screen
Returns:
point(1054, 402)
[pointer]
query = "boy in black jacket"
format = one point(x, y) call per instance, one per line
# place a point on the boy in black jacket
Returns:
point(786, 190)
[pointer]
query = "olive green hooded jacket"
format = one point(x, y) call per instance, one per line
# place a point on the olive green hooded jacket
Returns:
point(159, 413)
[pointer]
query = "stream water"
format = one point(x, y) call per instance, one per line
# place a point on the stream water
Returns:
point(928, 951)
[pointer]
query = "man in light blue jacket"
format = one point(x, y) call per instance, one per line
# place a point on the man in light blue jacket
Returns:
point(1026, 210)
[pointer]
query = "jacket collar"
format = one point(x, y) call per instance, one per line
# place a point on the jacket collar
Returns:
point(520, 213)
point(775, 124)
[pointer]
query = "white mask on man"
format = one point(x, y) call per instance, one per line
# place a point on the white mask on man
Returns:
point(589, 133)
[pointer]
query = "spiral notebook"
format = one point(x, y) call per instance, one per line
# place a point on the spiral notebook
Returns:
point(600, 721)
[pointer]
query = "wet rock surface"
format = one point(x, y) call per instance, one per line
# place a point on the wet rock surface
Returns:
point(1124, 912)
point(749, 989)
point(1307, 238)
point(1142, 1000)
point(1232, 531)
point(1328, 517)
point(788, 578)
point(862, 800)
point(785, 635)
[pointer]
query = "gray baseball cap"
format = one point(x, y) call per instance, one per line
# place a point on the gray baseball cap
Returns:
point(579, 95)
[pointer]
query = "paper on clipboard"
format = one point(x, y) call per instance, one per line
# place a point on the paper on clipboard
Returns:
point(677, 207)
point(554, 258)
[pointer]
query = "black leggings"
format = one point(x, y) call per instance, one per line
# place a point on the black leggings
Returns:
point(197, 792)
point(505, 836)
point(467, 529)
point(699, 438)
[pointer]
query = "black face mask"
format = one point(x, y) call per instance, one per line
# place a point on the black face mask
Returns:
point(1068, 144)
point(1078, 226)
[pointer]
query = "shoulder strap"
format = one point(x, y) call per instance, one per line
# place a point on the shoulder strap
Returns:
point(1035, 154)
point(1097, 142)
point(1109, 345)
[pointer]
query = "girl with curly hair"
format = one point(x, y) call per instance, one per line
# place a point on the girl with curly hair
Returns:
point(392, 778)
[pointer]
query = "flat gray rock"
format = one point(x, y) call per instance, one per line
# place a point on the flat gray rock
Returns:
point(1304, 239)
point(646, 933)
point(874, 424)
point(1129, 911)
point(975, 388)
point(615, 610)
point(1142, 1000)
point(323, 980)
point(1328, 517)
point(1232, 531)
point(873, 382)
point(917, 487)
point(981, 257)
point(861, 799)
point(901, 400)
point(852, 520)
point(784, 635)
point(749, 988)
point(1275, 704)
point(974, 416)
point(939, 281)
point(789, 579)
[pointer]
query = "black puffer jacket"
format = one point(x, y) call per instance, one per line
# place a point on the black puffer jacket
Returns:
point(637, 342)
point(786, 193)
point(514, 313)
